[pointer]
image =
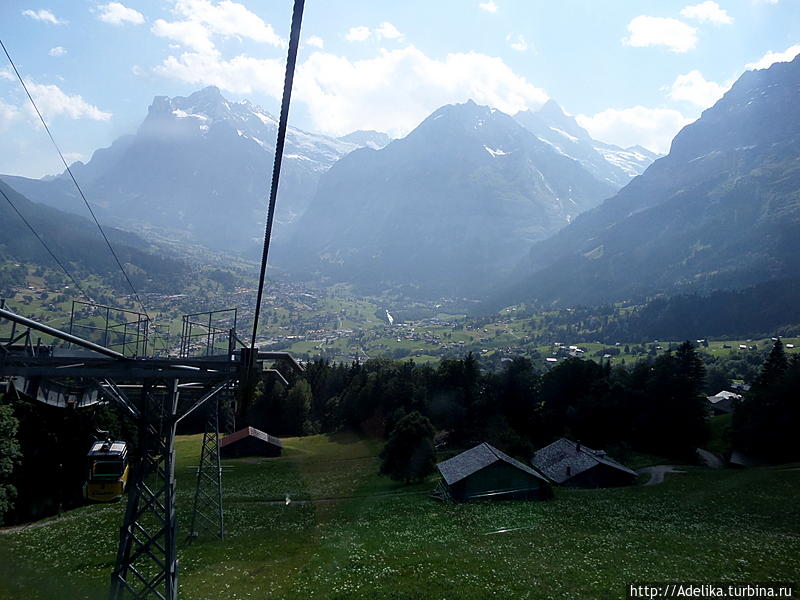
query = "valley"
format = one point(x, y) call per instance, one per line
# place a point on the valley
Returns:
point(502, 347)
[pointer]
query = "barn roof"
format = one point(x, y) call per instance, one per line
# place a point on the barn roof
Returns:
point(473, 460)
point(250, 432)
point(724, 395)
point(564, 459)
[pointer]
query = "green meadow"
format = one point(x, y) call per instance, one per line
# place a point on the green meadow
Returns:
point(348, 533)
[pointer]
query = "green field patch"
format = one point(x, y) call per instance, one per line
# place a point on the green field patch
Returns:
point(347, 532)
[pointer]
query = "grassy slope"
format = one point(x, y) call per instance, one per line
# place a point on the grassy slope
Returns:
point(701, 526)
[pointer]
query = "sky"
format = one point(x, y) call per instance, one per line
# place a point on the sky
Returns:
point(630, 71)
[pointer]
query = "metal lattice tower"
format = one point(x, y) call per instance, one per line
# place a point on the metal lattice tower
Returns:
point(207, 511)
point(147, 564)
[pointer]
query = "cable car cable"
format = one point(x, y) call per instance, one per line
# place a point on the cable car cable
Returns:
point(46, 247)
point(75, 181)
point(291, 60)
point(78, 187)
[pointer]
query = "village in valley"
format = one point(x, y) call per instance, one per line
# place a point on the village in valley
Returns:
point(444, 430)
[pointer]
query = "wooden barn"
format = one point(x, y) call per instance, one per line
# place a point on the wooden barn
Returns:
point(722, 403)
point(250, 442)
point(572, 464)
point(485, 473)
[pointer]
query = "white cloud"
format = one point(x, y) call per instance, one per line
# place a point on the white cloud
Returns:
point(384, 31)
point(771, 58)
point(7, 74)
point(394, 91)
point(315, 41)
point(388, 31)
point(117, 13)
point(43, 15)
point(518, 42)
point(661, 31)
point(707, 12)
point(693, 87)
point(57, 51)
point(241, 75)
point(652, 128)
point(391, 92)
point(358, 34)
point(201, 19)
point(490, 6)
point(52, 101)
point(189, 33)
point(8, 113)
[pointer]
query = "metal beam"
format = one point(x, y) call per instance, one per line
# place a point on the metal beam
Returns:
point(57, 333)
point(203, 400)
point(132, 372)
point(110, 388)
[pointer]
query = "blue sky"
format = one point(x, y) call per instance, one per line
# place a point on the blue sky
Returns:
point(632, 71)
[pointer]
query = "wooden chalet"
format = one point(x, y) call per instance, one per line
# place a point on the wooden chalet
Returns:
point(250, 442)
point(572, 464)
point(486, 473)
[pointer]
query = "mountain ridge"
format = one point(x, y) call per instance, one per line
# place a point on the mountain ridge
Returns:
point(451, 204)
point(720, 211)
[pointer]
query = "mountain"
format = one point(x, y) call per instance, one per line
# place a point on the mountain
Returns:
point(200, 165)
point(76, 242)
point(721, 211)
point(368, 139)
point(605, 161)
point(447, 209)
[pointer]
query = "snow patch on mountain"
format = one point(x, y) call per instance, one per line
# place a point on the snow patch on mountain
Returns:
point(631, 161)
point(565, 134)
point(495, 152)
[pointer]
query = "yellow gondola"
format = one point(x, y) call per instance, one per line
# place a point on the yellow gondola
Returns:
point(108, 471)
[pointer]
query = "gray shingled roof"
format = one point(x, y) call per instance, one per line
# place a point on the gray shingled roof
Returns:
point(473, 460)
point(554, 459)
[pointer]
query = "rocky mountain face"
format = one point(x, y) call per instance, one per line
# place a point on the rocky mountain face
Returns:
point(447, 209)
point(368, 139)
point(605, 161)
point(721, 211)
point(200, 165)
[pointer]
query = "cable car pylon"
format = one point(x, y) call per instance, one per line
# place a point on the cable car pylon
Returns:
point(157, 393)
point(207, 510)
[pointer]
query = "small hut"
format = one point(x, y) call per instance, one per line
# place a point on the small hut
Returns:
point(572, 464)
point(250, 442)
point(722, 403)
point(485, 473)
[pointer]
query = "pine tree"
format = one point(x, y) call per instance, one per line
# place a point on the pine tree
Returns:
point(774, 367)
point(9, 456)
point(409, 454)
point(298, 408)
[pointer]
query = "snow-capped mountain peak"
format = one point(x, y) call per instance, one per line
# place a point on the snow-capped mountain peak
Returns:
point(207, 113)
point(605, 161)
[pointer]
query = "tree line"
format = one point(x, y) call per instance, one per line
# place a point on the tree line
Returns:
point(657, 406)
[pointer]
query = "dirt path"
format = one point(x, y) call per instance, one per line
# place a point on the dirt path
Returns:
point(36, 524)
point(657, 473)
